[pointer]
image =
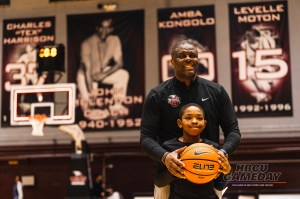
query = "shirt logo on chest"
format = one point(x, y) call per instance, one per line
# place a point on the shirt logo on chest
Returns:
point(174, 100)
point(204, 99)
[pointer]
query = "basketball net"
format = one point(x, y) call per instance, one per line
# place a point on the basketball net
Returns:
point(37, 121)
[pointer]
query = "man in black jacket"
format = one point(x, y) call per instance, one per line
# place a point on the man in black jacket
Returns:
point(163, 103)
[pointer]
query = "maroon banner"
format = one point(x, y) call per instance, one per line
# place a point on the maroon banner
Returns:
point(194, 23)
point(260, 59)
point(19, 66)
point(106, 60)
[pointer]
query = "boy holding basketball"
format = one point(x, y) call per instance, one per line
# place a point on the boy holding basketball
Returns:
point(192, 121)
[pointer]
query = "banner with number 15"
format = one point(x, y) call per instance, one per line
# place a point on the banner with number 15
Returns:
point(260, 59)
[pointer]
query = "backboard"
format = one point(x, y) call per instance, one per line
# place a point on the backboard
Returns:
point(56, 101)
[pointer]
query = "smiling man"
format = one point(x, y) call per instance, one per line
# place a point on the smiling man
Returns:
point(185, 62)
point(162, 105)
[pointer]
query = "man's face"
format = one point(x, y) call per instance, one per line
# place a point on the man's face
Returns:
point(105, 29)
point(17, 178)
point(29, 48)
point(185, 62)
point(252, 36)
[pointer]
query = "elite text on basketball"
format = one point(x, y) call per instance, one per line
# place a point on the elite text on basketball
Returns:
point(203, 166)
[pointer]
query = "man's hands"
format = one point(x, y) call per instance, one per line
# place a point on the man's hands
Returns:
point(223, 160)
point(99, 76)
point(173, 163)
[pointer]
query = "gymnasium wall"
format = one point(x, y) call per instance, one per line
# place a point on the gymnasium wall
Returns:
point(250, 127)
point(268, 140)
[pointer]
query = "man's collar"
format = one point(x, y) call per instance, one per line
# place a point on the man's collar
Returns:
point(176, 81)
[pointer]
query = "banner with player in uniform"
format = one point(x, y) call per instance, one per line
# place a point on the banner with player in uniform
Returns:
point(194, 23)
point(260, 59)
point(19, 63)
point(106, 61)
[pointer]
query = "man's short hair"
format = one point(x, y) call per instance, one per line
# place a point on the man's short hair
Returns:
point(180, 43)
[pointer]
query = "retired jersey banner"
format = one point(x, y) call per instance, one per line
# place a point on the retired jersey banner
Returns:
point(19, 62)
point(106, 61)
point(260, 59)
point(194, 23)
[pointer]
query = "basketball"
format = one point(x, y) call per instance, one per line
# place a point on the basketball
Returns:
point(201, 163)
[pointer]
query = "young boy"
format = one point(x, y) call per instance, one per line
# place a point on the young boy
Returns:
point(192, 122)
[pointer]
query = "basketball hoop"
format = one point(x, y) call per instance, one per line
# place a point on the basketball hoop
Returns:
point(37, 121)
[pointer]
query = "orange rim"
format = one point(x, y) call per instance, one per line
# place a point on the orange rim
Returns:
point(40, 117)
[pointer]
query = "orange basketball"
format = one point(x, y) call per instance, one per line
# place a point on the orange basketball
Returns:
point(201, 163)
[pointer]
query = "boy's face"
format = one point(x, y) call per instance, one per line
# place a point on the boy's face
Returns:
point(192, 121)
